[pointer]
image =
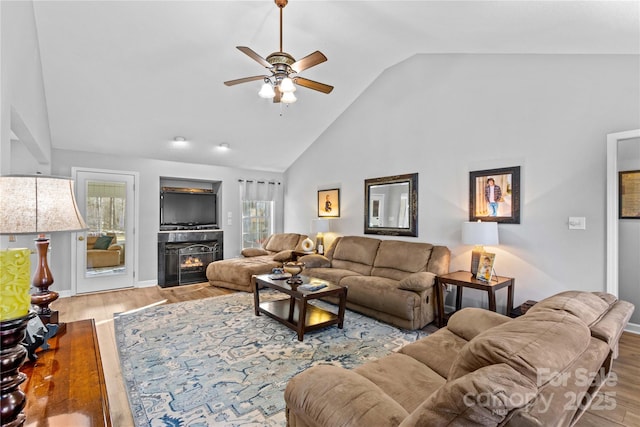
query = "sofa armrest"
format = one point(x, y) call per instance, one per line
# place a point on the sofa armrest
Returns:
point(326, 395)
point(471, 321)
point(115, 248)
point(610, 327)
point(251, 252)
point(418, 282)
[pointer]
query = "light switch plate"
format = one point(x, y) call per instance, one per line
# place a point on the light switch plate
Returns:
point(577, 223)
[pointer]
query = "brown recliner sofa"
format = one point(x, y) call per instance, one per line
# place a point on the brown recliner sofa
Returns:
point(235, 273)
point(112, 256)
point(389, 280)
point(483, 369)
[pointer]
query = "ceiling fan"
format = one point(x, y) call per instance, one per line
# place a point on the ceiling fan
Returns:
point(284, 69)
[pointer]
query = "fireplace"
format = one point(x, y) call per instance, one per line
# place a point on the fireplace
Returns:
point(183, 256)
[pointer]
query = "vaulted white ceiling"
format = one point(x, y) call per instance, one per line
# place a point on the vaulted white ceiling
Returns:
point(128, 76)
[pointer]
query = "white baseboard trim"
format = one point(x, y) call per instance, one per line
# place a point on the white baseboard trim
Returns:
point(65, 294)
point(634, 328)
point(146, 284)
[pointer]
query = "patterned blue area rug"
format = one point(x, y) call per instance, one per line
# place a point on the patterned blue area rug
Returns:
point(212, 362)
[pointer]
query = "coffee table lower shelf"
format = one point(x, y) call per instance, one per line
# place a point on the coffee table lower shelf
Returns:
point(315, 317)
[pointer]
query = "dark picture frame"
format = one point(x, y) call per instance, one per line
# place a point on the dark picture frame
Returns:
point(506, 209)
point(391, 205)
point(329, 203)
point(629, 194)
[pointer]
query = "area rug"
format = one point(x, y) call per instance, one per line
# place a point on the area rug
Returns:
point(212, 362)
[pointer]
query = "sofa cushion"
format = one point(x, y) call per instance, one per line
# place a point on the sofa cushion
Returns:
point(437, 350)
point(355, 253)
point(403, 378)
point(383, 295)
point(417, 281)
point(283, 256)
point(469, 322)
point(481, 398)
point(549, 340)
point(251, 252)
point(396, 258)
point(103, 242)
point(283, 241)
point(586, 306)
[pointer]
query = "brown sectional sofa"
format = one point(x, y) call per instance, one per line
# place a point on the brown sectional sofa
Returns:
point(483, 369)
point(389, 280)
point(110, 257)
point(235, 273)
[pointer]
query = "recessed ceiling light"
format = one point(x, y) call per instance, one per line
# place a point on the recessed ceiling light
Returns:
point(224, 146)
point(179, 139)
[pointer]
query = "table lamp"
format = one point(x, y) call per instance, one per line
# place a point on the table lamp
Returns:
point(320, 226)
point(478, 234)
point(28, 205)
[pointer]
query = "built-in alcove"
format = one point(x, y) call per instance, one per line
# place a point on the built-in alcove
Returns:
point(189, 237)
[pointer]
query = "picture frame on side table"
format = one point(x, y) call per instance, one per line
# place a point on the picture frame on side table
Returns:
point(629, 194)
point(485, 267)
point(494, 195)
point(329, 203)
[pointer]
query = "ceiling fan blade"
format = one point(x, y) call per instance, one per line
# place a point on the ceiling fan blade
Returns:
point(251, 54)
point(308, 61)
point(243, 80)
point(278, 94)
point(321, 87)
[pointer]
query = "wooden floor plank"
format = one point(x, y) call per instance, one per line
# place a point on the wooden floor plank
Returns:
point(102, 306)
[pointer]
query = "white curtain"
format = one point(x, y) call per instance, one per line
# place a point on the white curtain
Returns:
point(262, 190)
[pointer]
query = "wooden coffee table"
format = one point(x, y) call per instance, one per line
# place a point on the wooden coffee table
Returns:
point(289, 311)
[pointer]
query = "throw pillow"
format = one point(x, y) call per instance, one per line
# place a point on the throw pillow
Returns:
point(283, 256)
point(249, 252)
point(315, 261)
point(103, 242)
point(417, 281)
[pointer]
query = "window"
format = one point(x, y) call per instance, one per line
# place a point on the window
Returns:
point(257, 222)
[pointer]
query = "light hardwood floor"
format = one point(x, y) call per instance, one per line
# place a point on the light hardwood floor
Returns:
point(102, 306)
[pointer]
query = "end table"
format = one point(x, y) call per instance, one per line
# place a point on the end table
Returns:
point(464, 279)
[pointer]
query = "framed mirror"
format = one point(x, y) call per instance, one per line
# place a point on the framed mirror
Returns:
point(391, 205)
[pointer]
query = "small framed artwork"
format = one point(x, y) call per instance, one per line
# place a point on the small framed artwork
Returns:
point(329, 203)
point(494, 195)
point(485, 267)
point(629, 194)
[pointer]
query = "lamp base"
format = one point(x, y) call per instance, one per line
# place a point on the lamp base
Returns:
point(11, 359)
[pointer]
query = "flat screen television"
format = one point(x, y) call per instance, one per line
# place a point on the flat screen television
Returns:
point(184, 209)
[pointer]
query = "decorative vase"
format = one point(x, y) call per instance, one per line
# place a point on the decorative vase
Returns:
point(294, 268)
point(307, 245)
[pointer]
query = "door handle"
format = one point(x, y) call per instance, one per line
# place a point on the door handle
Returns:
point(81, 238)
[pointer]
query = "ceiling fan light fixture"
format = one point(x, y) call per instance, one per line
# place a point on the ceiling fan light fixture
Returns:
point(286, 85)
point(266, 91)
point(288, 98)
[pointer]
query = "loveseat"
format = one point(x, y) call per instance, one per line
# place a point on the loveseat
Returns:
point(389, 280)
point(235, 273)
point(104, 251)
point(482, 369)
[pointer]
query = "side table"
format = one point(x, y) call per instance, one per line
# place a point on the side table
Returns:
point(464, 279)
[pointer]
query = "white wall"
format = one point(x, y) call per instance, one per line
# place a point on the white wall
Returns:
point(22, 101)
point(629, 235)
point(150, 172)
point(446, 115)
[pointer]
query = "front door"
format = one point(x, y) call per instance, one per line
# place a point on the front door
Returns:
point(105, 252)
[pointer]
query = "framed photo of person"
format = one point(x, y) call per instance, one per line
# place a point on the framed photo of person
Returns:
point(329, 203)
point(494, 195)
point(485, 267)
point(629, 194)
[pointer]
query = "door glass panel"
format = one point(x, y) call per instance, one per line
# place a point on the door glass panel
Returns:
point(106, 205)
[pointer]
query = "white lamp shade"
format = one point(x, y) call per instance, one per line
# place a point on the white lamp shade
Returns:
point(320, 225)
point(38, 204)
point(266, 91)
point(288, 98)
point(480, 233)
point(286, 85)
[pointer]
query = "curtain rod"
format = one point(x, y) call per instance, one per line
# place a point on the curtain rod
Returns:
point(259, 182)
